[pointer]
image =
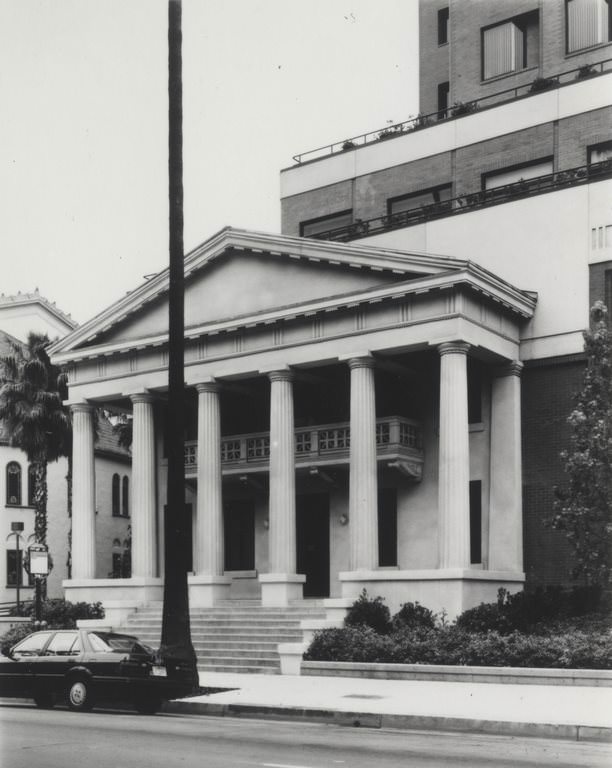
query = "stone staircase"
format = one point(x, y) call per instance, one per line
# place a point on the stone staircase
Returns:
point(234, 636)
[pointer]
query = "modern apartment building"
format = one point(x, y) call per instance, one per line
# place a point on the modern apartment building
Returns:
point(378, 396)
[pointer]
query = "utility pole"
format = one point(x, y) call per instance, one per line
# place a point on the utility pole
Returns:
point(176, 628)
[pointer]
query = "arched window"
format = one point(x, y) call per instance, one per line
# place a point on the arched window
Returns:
point(31, 484)
point(116, 502)
point(125, 497)
point(13, 483)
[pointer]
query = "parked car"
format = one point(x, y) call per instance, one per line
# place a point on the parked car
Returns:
point(83, 667)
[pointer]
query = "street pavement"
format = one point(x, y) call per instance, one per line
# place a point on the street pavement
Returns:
point(34, 738)
point(570, 712)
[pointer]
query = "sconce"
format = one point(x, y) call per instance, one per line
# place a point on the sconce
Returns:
point(343, 519)
point(266, 523)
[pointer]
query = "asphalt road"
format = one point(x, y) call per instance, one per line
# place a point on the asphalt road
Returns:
point(33, 738)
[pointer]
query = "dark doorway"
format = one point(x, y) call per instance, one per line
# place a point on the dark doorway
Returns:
point(313, 543)
point(239, 535)
point(387, 526)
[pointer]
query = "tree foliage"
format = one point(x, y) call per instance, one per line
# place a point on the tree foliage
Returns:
point(31, 394)
point(583, 508)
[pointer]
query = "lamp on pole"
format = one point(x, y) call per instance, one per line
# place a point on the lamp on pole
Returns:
point(16, 531)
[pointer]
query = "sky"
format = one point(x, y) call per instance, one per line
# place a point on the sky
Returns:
point(83, 124)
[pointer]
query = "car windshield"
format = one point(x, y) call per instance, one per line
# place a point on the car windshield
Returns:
point(106, 641)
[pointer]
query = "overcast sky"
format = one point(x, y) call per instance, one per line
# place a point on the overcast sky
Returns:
point(83, 149)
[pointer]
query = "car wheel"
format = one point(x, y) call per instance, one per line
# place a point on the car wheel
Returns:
point(147, 705)
point(44, 700)
point(79, 695)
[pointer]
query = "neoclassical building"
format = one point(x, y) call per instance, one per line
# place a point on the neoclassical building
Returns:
point(354, 421)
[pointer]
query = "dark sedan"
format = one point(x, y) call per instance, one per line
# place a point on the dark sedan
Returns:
point(83, 667)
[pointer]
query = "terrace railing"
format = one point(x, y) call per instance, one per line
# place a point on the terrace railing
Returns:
point(470, 201)
point(457, 110)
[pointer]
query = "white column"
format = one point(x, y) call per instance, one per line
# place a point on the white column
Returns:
point(282, 584)
point(83, 493)
point(209, 555)
point(143, 487)
point(454, 458)
point(363, 484)
point(282, 474)
point(506, 508)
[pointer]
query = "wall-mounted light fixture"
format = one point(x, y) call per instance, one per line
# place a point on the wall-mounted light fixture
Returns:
point(266, 523)
point(343, 519)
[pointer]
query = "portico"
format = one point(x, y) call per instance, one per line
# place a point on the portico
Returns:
point(328, 432)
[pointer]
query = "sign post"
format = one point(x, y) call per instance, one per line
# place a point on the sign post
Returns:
point(39, 568)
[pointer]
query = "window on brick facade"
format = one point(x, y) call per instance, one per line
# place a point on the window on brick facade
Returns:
point(443, 94)
point(325, 223)
point(475, 521)
point(588, 23)
point(417, 200)
point(13, 484)
point(517, 173)
point(597, 153)
point(504, 46)
point(443, 21)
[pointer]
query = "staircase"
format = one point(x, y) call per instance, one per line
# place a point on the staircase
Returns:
point(234, 636)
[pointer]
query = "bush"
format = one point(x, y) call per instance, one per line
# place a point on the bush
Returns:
point(62, 614)
point(414, 615)
point(369, 612)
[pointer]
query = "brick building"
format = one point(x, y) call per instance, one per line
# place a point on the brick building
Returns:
point(378, 395)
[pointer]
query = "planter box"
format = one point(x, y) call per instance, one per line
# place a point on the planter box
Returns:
point(441, 673)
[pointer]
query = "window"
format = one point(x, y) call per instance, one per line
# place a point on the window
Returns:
point(13, 484)
point(116, 496)
point(31, 484)
point(475, 521)
point(125, 496)
point(64, 644)
point(443, 94)
point(387, 527)
point(325, 223)
point(601, 237)
point(443, 19)
point(588, 23)
point(14, 568)
point(32, 645)
point(504, 49)
point(598, 153)
point(517, 173)
point(417, 200)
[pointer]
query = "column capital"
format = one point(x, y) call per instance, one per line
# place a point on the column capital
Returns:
point(453, 348)
point(365, 361)
point(82, 408)
point(142, 397)
point(207, 386)
point(283, 374)
point(511, 368)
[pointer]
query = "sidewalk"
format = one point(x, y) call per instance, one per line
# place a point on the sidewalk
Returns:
point(568, 712)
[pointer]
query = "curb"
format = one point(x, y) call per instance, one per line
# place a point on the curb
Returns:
point(400, 722)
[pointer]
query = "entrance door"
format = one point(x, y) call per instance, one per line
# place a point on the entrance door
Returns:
point(239, 535)
point(313, 543)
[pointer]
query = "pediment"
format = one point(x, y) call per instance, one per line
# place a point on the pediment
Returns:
point(243, 283)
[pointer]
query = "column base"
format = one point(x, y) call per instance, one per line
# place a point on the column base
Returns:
point(452, 590)
point(280, 589)
point(206, 590)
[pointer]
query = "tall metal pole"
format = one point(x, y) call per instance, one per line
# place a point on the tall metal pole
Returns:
point(176, 629)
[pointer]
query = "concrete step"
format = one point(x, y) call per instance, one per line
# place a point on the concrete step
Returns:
point(245, 670)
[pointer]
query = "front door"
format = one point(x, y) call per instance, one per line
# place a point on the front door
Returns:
point(313, 543)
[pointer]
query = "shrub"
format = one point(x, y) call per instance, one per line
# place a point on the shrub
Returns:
point(352, 643)
point(542, 84)
point(414, 615)
point(369, 612)
point(62, 614)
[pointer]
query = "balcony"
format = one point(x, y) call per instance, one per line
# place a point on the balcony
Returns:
point(457, 110)
point(399, 445)
point(470, 201)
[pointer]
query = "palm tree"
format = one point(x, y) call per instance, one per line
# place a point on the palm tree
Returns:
point(31, 394)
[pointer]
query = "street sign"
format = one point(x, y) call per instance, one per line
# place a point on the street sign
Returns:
point(39, 560)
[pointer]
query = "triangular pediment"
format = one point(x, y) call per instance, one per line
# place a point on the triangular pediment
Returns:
point(241, 274)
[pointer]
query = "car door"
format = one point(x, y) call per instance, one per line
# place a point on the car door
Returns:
point(16, 676)
point(59, 655)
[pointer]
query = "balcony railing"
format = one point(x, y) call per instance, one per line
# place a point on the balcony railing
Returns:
point(470, 201)
point(457, 110)
point(398, 440)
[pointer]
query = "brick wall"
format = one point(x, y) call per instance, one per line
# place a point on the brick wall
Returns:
point(547, 390)
point(318, 202)
point(579, 132)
